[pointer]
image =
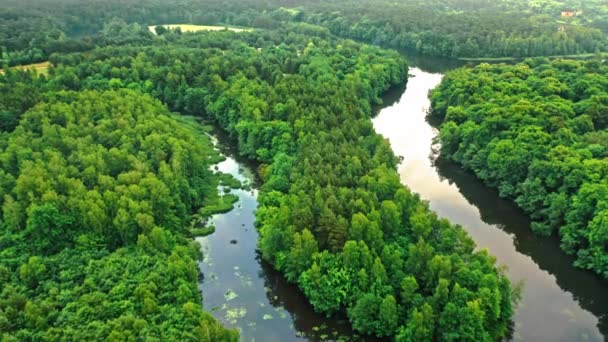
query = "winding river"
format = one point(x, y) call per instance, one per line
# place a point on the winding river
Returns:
point(559, 302)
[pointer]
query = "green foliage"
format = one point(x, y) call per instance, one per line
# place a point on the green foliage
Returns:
point(223, 205)
point(536, 131)
point(97, 188)
point(365, 314)
point(228, 180)
point(333, 215)
point(204, 231)
point(300, 256)
point(45, 227)
point(475, 28)
point(471, 28)
point(419, 327)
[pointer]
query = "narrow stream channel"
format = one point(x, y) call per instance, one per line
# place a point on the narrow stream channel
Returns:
point(241, 290)
point(560, 302)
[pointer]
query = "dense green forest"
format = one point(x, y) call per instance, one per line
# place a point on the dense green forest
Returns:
point(537, 132)
point(471, 28)
point(97, 188)
point(95, 169)
point(474, 28)
point(104, 167)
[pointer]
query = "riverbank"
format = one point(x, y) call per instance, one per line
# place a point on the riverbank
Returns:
point(559, 302)
point(518, 59)
point(242, 291)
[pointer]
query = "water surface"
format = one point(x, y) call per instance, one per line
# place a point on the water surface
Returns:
point(560, 302)
point(241, 290)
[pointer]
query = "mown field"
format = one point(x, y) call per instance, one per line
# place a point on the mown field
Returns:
point(196, 28)
point(41, 68)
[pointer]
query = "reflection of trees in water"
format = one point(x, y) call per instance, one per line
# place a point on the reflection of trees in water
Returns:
point(434, 65)
point(305, 319)
point(228, 147)
point(389, 98)
point(589, 290)
point(281, 293)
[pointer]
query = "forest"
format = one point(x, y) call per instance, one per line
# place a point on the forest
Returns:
point(461, 28)
point(106, 163)
point(89, 159)
point(97, 187)
point(455, 28)
point(536, 131)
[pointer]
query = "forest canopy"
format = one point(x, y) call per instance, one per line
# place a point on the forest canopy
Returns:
point(471, 28)
point(333, 216)
point(537, 132)
point(96, 190)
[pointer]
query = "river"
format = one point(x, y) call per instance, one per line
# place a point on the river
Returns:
point(244, 292)
point(559, 302)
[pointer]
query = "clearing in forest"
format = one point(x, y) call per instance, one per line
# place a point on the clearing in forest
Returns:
point(40, 68)
point(196, 28)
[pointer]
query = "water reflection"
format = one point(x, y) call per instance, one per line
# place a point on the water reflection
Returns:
point(311, 325)
point(244, 292)
point(560, 302)
point(433, 65)
point(588, 289)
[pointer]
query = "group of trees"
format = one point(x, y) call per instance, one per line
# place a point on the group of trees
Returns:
point(95, 170)
point(457, 28)
point(333, 216)
point(96, 191)
point(538, 132)
point(473, 28)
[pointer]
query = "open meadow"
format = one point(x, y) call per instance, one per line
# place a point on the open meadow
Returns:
point(196, 28)
point(40, 68)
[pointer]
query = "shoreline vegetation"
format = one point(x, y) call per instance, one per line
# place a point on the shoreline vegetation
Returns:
point(536, 131)
point(582, 56)
point(43, 67)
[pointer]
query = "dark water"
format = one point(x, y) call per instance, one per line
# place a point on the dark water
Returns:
point(243, 292)
point(560, 302)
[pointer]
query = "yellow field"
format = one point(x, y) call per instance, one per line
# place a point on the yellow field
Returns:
point(196, 28)
point(291, 11)
point(40, 68)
